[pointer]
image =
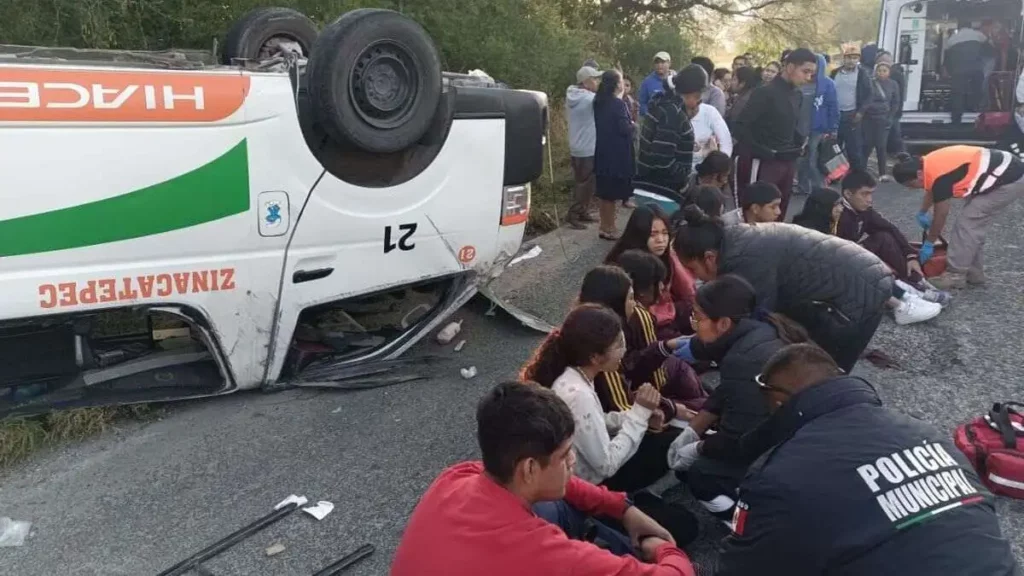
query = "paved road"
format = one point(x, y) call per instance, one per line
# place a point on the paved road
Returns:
point(140, 498)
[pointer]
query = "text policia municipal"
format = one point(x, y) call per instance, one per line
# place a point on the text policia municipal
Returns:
point(131, 288)
point(922, 480)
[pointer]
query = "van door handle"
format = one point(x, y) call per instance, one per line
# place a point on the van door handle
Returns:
point(301, 276)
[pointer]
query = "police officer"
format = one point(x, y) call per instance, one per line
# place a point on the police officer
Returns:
point(855, 489)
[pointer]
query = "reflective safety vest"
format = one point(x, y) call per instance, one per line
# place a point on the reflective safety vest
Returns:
point(959, 171)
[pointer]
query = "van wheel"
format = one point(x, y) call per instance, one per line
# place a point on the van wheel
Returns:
point(377, 85)
point(265, 32)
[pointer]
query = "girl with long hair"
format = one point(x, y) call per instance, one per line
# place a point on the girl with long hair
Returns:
point(612, 448)
point(821, 211)
point(613, 155)
point(649, 228)
point(733, 332)
point(649, 359)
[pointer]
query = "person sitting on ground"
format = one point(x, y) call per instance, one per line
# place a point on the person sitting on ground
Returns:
point(761, 204)
point(851, 487)
point(859, 222)
point(648, 229)
point(665, 156)
point(836, 292)
point(822, 213)
point(989, 179)
point(707, 198)
point(612, 287)
point(740, 337)
point(647, 359)
point(476, 518)
point(568, 362)
point(714, 170)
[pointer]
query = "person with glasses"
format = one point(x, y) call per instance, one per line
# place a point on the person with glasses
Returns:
point(850, 487)
point(731, 331)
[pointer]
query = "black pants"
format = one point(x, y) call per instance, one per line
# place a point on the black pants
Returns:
point(849, 345)
point(647, 466)
point(715, 484)
point(876, 138)
point(852, 141)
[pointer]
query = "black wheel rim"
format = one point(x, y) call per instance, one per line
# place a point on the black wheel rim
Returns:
point(384, 84)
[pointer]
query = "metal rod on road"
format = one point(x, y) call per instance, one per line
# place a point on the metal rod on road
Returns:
point(347, 561)
point(229, 541)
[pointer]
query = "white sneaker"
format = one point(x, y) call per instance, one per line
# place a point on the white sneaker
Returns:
point(930, 294)
point(913, 309)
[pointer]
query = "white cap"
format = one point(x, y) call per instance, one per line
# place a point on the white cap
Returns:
point(663, 56)
point(586, 73)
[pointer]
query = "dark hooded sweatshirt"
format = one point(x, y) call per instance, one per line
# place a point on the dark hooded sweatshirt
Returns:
point(665, 156)
point(853, 489)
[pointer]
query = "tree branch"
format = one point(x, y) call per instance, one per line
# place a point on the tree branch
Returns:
point(727, 8)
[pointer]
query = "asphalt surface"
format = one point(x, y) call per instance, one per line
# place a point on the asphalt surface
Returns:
point(140, 498)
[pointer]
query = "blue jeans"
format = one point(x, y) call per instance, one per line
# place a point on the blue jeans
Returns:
point(575, 525)
point(852, 141)
point(809, 175)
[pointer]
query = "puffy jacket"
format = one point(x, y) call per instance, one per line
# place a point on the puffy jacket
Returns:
point(853, 489)
point(827, 284)
point(737, 401)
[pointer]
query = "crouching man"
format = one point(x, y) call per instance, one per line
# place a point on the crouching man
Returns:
point(990, 180)
point(521, 511)
point(853, 488)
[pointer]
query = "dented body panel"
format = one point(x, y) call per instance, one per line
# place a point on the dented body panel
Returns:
point(197, 190)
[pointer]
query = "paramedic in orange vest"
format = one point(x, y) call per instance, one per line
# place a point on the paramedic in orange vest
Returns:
point(988, 179)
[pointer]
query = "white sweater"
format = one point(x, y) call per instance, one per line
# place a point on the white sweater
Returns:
point(707, 123)
point(599, 455)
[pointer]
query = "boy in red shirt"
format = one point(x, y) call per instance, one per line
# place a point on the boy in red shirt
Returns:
point(479, 518)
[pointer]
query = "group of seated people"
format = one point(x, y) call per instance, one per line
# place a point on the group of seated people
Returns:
point(794, 455)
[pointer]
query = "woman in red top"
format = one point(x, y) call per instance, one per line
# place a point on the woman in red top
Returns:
point(648, 229)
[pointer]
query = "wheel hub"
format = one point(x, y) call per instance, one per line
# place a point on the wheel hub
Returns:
point(383, 84)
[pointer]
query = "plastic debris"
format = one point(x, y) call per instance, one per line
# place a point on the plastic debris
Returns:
point(13, 532)
point(533, 253)
point(298, 500)
point(460, 346)
point(449, 332)
point(320, 510)
point(275, 549)
point(468, 373)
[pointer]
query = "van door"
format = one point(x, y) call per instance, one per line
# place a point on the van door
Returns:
point(352, 240)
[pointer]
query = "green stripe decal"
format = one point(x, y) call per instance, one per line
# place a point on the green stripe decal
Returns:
point(211, 192)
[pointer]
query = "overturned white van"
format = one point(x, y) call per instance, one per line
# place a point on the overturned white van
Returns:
point(178, 226)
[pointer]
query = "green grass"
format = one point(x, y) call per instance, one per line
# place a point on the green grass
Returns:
point(20, 437)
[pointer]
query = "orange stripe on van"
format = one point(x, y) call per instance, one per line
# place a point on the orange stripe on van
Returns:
point(50, 95)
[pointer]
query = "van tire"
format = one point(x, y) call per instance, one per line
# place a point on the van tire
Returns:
point(248, 36)
point(375, 86)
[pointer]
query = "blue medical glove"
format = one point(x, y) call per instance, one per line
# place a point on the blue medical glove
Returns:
point(924, 219)
point(684, 352)
point(927, 251)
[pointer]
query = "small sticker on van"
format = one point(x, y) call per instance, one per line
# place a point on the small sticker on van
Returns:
point(133, 288)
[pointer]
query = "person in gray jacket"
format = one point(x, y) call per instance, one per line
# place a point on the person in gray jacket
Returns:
point(579, 104)
point(879, 116)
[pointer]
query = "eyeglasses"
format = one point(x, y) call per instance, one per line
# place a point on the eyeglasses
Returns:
point(768, 387)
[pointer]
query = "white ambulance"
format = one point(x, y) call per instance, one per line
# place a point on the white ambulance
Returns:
point(177, 226)
point(920, 33)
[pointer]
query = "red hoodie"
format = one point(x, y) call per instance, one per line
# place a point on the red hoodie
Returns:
point(468, 525)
